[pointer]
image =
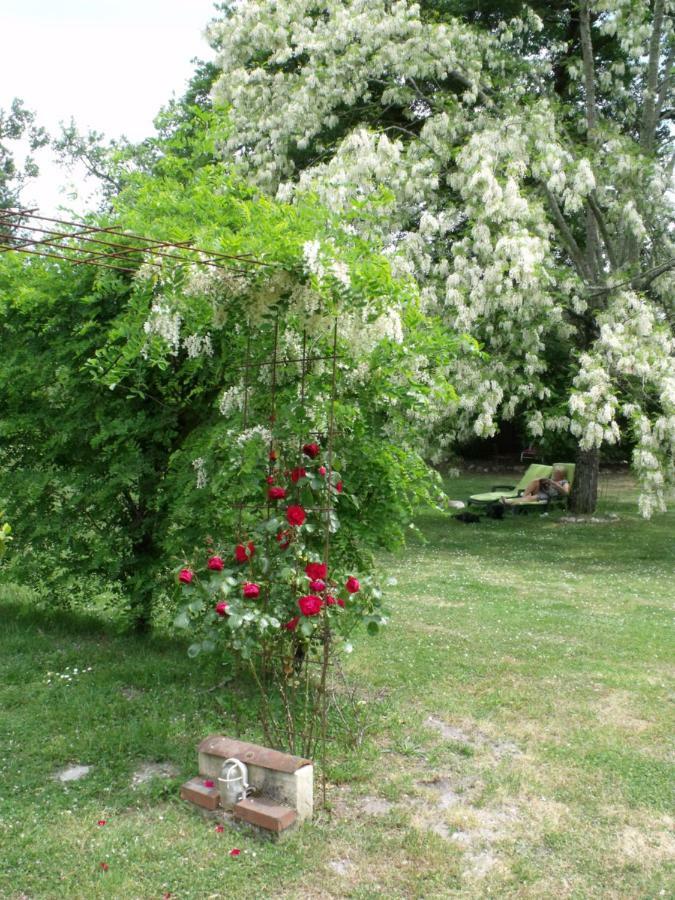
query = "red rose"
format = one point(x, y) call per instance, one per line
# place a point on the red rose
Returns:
point(353, 585)
point(216, 564)
point(296, 515)
point(310, 605)
point(311, 450)
point(318, 586)
point(316, 570)
point(208, 783)
point(338, 487)
point(292, 624)
point(185, 576)
point(331, 601)
point(284, 539)
point(235, 851)
point(322, 470)
point(273, 455)
point(252, 590)
point(221, 608)
point(243, 553)
point(220, 829)
point(270, 479)
point(276, 493)
point(104, 866)
point(101, 822)
point(297, 474)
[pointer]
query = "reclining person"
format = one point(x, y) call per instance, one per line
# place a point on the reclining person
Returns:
point(552, 488)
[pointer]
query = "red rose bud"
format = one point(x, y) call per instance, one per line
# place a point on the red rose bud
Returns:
point(317, 586)
point(220, 829)
point(310, 605)
point(316, 570)
point(185, 576)
point(341, 602)
point(243, 553)
point(331, 601)
point(221, 608)
point(297, 474)
point(101, 822)
point(284, 539)
point(252, 590)
point(276, 493)
point(235, 851)
point(292, 624)
point(104, 866)
point(270, 479)
point(216, 564)
point(273, 455)
point(353, 585)
point(338, 487)
point(311, 450)
point(322, 471)
point(295, 515)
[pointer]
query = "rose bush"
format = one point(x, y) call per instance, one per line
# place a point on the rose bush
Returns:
point(281, 606)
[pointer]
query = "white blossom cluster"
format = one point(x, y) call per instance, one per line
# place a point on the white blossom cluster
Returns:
point(634, 347)
point(232, 400)
point(165, 323)
point(198, 345)
point(199, 465)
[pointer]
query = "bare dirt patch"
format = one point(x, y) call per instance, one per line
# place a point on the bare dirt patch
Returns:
point(451, 791)
point(472, 737)
point(147, 771)
point(72, 773)
point(616, 709)
point(131, 693)
point(647, 846)
point(374, 806)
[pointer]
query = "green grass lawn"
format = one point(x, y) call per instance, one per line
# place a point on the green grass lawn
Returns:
point(516, 717)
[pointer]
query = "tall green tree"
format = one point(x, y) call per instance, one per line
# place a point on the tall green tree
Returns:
point(18, 127)
point(124, 440)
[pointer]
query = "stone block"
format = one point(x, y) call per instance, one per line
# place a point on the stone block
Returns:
point(195, 791)
point(288, 780)
point(265, 814)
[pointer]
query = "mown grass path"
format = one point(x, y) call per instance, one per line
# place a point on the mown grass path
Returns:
point(517, 719)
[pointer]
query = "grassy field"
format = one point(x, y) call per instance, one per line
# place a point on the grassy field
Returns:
point(516, 719)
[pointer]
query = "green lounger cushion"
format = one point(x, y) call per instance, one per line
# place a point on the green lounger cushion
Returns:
point(536, 470)
point(569, 473)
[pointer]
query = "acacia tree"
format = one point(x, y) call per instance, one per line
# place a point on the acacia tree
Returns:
point(519, 169)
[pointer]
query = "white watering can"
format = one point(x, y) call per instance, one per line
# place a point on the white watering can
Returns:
point(233, 782)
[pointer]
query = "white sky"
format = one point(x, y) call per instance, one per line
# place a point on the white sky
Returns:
point(109, 64)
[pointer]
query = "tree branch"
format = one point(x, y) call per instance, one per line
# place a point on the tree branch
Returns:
point(649, 110)
point(663, 89)
point(567, 237)
point(638, 282)
point(602, 225)
point(589, 67)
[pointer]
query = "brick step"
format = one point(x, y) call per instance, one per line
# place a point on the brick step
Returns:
point(196, 792)
point(265, 814)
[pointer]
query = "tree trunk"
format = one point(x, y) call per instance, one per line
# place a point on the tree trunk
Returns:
point(584, 497)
